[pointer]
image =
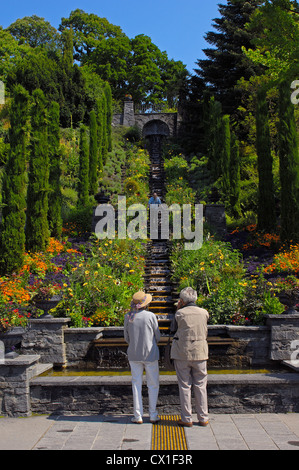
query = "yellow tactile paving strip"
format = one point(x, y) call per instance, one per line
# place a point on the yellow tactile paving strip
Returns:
point(168, 435)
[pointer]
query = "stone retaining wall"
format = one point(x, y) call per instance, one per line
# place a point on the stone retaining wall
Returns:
point(55, 343)
point(15, 375)
point(49, 342)
point(257, 393)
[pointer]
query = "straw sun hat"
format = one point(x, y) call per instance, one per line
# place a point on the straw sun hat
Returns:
point(141, 299)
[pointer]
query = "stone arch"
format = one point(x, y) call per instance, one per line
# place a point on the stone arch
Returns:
point(155, 127)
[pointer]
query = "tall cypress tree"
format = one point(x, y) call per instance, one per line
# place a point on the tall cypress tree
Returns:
point(225, 156)
point(266, 200)
point(37, 228)
point(12, 240)
point(83, 187)
point(235, 178)
point(289, 165)
point(93, 154)
point(55, 196)
point(215, 143)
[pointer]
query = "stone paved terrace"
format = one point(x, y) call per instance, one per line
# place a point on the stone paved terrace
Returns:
point(116, 433)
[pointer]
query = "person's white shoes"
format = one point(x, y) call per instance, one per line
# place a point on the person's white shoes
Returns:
point(137, 420)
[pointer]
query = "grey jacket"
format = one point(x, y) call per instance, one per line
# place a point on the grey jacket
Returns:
point(190, 340)
point(142, 336)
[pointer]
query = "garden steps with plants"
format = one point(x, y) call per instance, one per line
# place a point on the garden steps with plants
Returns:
point(158, 272)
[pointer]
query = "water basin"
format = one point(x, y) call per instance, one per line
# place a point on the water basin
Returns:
point(68, 372)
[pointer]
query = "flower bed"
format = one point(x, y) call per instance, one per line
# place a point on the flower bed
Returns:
point(48, 270)
point(101, 286)
point(95, 280)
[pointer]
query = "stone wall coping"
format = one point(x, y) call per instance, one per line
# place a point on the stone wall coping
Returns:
point(238, 327)
point(50, 320)
point(153, 115)
point(289, 316)
point(89, 330)
point(210, 327)
point(22, 360)
point(235, 379)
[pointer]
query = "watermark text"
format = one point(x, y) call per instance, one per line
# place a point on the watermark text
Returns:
point(2, 93)
point(186, 221)
point(295, 94)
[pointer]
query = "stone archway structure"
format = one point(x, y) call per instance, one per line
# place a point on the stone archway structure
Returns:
point(155, 127)
point(166, 124)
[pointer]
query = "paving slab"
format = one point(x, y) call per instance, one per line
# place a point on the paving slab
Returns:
point(23, 433)
point(116, 432)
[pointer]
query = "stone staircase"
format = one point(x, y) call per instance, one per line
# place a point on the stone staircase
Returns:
point(158, 281)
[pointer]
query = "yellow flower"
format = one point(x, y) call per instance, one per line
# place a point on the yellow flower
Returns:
point(86, 272)
point(131, 271)
point(202, 269)
point(85, 284)
point(127, 265)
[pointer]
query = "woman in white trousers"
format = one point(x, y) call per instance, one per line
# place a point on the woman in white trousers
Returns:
point(141, 332)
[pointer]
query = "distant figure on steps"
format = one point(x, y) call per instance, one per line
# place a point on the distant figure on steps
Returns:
point(154, 200)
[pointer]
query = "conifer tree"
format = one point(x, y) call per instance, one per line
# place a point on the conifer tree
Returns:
point(225, 64)
point(289, 166)
point(266, 200)
point(93, 154)
point(235, 179)
point(83, 186)
point(225, 156)
point(214, 144)
point(37, 228)
point(55, 196)
point(12, 240)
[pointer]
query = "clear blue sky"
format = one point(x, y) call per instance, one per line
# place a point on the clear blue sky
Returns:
point(175, 26)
